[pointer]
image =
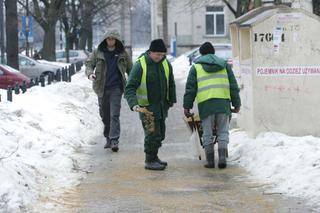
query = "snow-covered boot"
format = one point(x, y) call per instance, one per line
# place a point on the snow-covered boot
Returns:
point(152, 164)
point(222, 158)
point(209, 150)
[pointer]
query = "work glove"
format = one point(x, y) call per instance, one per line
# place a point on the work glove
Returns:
point(92, 77)
point(187, 113)
point(136, 108)
point(235, 110)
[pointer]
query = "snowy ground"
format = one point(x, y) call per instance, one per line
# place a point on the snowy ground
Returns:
point(45, 134)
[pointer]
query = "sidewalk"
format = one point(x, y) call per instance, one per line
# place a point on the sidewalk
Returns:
point(119, 182)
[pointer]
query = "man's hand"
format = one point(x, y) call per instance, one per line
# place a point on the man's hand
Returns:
point(136, 108)
point(235, 110)
point(187, 113)
point(92, 77)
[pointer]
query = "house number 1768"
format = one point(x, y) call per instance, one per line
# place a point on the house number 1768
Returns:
point(265, 37)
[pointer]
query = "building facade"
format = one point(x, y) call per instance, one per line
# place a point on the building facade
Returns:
point(194, 23)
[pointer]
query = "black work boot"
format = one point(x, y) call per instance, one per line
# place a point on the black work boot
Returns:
point(222, 158)
point(152, 164)
point(161, 162)
point(108, 143)
point(209, 150)
point(114, 145)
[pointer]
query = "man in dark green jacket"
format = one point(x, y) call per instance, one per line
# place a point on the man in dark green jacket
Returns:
point(106, 68)
point(212, 82)
point(151, 88)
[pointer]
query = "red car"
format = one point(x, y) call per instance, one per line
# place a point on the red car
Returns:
point(10, 76)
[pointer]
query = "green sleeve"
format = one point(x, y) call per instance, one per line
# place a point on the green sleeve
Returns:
point(191, 89)
point(234, 88)
point(172, 87)
point(133, 84)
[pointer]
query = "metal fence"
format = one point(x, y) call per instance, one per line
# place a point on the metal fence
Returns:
point(63, 74)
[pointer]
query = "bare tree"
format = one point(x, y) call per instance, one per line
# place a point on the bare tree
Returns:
point(46, 13)
point(165, 20)
point(96, 12)
point(12, 33)
point(86, 28)
point(242, 6)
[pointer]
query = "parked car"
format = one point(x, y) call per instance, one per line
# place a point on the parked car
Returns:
point(33, 68)
point(221, 50)
point(9, 77)
point(74, 56)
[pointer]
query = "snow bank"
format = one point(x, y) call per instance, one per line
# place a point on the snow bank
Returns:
point(43, 133)
point(291, 165)
point(181, 68)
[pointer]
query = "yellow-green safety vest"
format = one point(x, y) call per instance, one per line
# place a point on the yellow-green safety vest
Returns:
point(142, 91)
point(212, 84)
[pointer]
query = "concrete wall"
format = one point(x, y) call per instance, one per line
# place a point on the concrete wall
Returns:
point(283, 94)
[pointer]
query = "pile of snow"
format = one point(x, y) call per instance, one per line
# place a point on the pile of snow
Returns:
point(44, 134)
point(181, 68)
point(290, 165)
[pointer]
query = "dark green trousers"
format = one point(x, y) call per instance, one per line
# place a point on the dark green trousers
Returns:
point(153, 139)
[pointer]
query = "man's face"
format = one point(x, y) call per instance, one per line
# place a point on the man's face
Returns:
point(157, 56)
point(111, 42)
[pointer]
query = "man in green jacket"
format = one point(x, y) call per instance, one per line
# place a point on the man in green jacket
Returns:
point(106, 67)
point(151, 89)
point(212, 82)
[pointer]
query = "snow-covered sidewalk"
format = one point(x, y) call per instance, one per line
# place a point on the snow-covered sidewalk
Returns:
point(45, 133)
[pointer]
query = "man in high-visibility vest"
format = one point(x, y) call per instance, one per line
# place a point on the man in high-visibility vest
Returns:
point(211, 81)
point(151, 91)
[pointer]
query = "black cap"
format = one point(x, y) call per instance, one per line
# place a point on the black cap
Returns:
point(206, 48)
point(158, 45)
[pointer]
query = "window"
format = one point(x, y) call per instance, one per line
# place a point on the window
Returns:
point(23, 61)
point(1, 73)
point(215, 24)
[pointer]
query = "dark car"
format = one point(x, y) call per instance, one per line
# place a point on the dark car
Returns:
point(9, 77)
point(221, 50)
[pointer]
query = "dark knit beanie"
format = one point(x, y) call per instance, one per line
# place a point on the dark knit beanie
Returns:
point(158, 45)
point(206, 48)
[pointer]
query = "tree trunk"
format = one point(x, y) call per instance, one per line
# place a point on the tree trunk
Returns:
point(86, 24)
point(12, 33)
point(165, 20)
point(67, 46)
point(316, 7)
point(83, 39)
point(257, 3)
point(49, 43)
point(46, 14)
point(90, 43)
